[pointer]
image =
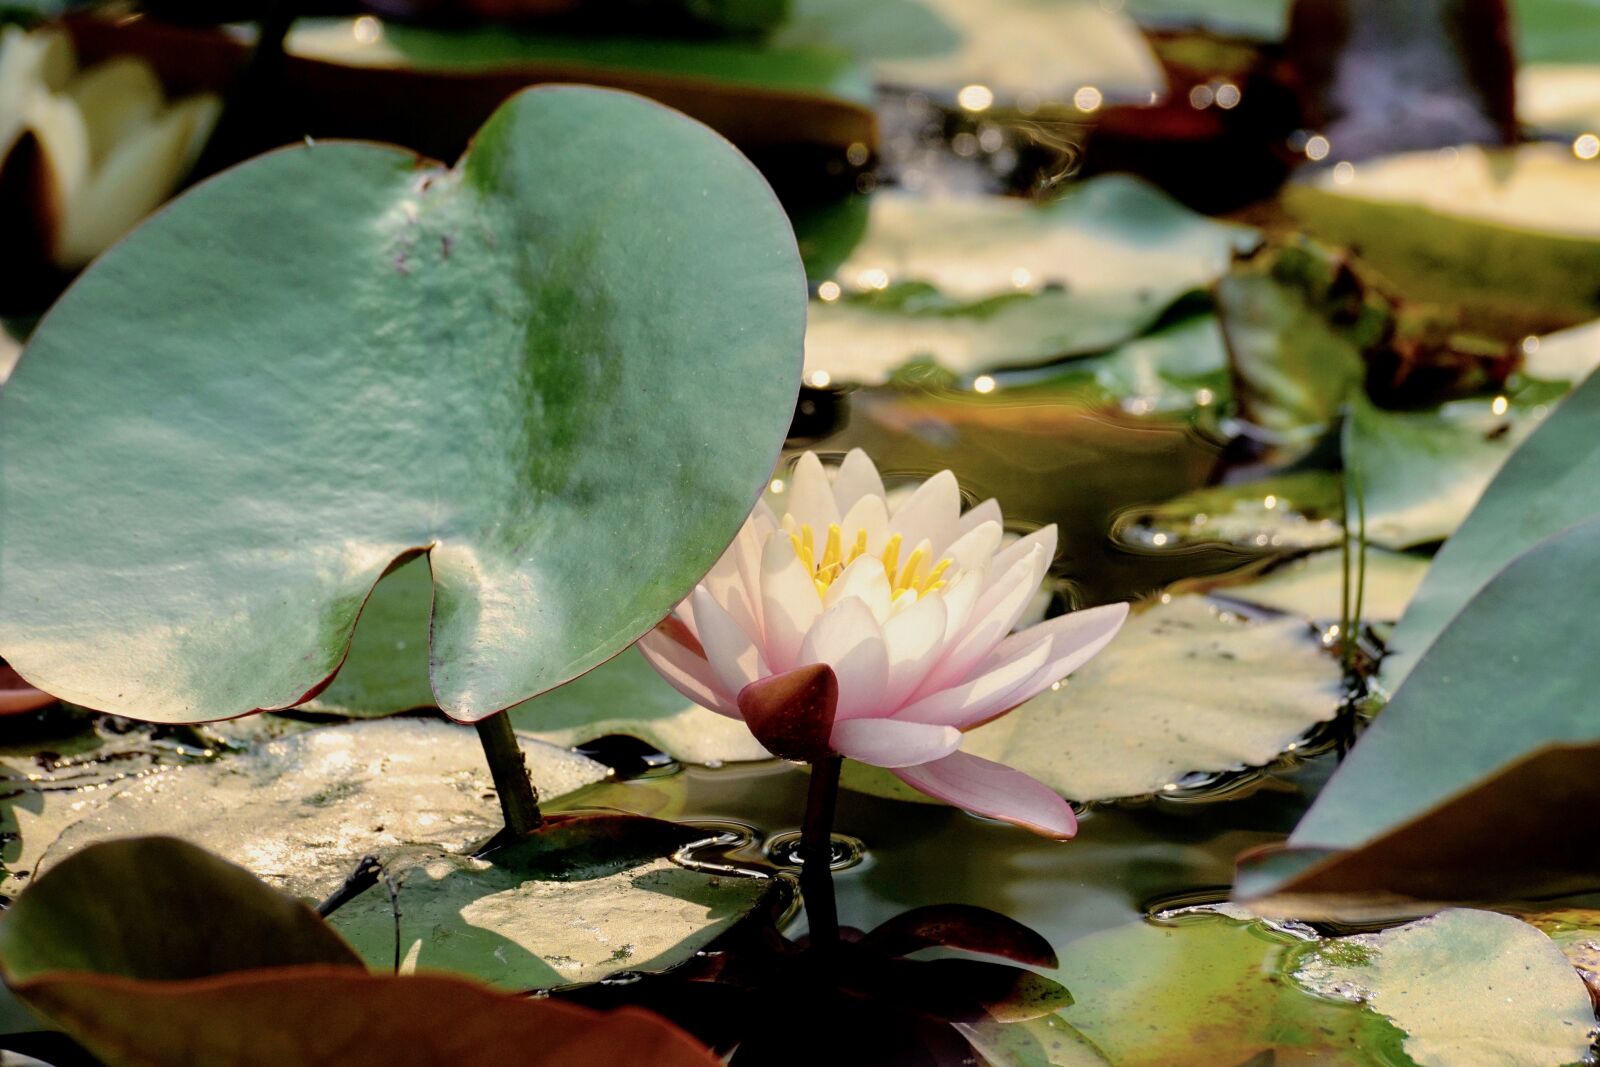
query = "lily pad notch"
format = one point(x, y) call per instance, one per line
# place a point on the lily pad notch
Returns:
point(563, 368)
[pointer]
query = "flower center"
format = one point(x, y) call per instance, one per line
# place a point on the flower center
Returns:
point(918, 575)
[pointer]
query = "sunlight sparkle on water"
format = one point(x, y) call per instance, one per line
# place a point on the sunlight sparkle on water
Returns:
point(1087, 98)
point(983, 384)
point(1586, 146)
point(828, 292)
point(366, 30)
point(975, 97)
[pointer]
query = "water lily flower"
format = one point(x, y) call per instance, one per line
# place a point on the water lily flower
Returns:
point(911, 607)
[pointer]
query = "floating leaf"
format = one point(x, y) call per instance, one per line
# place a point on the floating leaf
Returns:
point(301, 811)
point(1468, 988)
point(1551, 482)
point(525, 919)
point(556, 369)
point(1420, 473)
point(1504, 232)
point(1313, 586)
point(979, 283)
point(1493, 688)
point(1014, 48)
point(387, 672)
point(1214, 987)
point(1185, 687)
point(1290, 511)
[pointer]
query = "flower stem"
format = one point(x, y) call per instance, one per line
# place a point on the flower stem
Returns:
point(519, 801)
point(816, 852)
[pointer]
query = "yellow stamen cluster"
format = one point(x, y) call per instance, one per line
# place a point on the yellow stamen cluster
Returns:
point(915, 576)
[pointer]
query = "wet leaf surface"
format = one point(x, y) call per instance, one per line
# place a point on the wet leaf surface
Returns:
point(1468, 988)
point(351, 431)
point(1299, 510)
point(300, 811)
point(1313, 586)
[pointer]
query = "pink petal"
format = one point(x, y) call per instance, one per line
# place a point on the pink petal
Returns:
point(984, 696)
point(912, 640)
point(931, 514)
point(857, 479)
point(733, 656)
point(686, 672)
point(847, 639)
point(789, 603)
point(890, 743)
point(993, 789)
point(1074, 640)
point(811, 497)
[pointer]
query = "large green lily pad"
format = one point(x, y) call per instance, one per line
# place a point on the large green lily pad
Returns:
point(387, 672)
point(1551, 482)
point(562, 369)
point(980, 283)
point(1315, 586)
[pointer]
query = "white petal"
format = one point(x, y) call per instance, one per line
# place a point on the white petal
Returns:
point(789, 603)
point(988, 511)
point(993, 617)
point(730, 651)
point(1074, 640)
point(912, 639)
point(988, 694)
point(931, 514)
point(889, 743)
point(857, 479)
point(847, 638)
point(960, 598)
point(1044, 537)
point(686, 672)
point(866, 581)
point(871, 514)
point(974, 549)
point(725, 583)
point(811, 497)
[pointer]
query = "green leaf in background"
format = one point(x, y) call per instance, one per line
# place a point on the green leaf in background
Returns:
point(1419, 473)
point(387, 672)
point(558, 369)
point(980, 283)
point(1498, 685)
point(1548, 484)
point(1506, 233)
point(1295, 362)
point(113, 909)
point(1313, 586)
point(1297, 510)
point(526, 918)
point(1043, 49)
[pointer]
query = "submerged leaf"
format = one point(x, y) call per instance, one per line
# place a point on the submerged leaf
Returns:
point(421, 360)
